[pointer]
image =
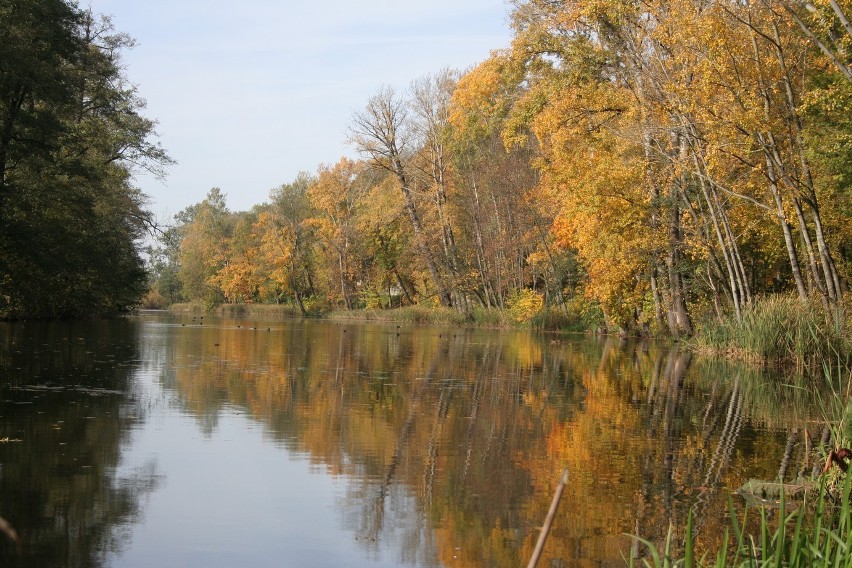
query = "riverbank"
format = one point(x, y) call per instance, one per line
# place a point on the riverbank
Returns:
point(547, 319)
point(774, 331)
point(782, 330)
point(273, 311)
point(815, 533)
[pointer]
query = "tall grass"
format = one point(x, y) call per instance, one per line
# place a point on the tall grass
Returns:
point(239, 310)
point(188, 307)
point(578, 315)
point(550, 318)
point(415, 315)
point(257, 310)
point(815, 534)
point(781, 330)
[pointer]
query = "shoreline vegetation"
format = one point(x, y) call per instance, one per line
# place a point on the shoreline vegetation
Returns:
point(675, 170)
point(546, 320)
point(775, 331)
point(638, 169)
point(803, 517)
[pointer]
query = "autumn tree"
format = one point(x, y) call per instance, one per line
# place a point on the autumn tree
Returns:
point(828, 26)
point(241, 275)
point(288, 240)
point(382, 133)
point(336, 197)
point(502, 224)
point(208, 226)
point(430, 102)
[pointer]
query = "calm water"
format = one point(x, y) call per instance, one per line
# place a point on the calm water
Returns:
point(163, 440)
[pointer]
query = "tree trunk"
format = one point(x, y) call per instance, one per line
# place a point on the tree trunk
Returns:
point(782, 220)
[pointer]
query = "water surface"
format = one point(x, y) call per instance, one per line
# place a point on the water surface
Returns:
point(163, 440)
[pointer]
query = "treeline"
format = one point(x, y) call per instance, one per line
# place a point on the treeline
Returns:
point(71, 133)
point(657, 163)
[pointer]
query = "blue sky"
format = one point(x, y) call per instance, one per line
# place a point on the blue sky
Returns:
point(247, 94)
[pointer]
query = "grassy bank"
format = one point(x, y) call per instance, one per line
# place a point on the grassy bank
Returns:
point(545, 319)
point(776, 330)
point(816, 529)
point(427, 315)
point(781, 330)
point(268, 311)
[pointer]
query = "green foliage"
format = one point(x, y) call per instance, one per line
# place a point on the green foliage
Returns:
point(70, 137)
point(316, 306)
point(811, 535)
point(579, 314)
point(489, 317)
point(200, 256)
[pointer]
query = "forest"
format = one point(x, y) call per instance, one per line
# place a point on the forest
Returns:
point(635, 167)
point(71, 136)
point(639, 166)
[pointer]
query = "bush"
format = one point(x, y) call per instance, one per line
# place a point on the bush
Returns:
point(524, 305)
point(153, 300)
point(578, 315)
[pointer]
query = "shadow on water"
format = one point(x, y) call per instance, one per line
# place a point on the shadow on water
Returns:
point(66, 406)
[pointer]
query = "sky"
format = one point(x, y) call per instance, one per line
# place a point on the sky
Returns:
point(248, 94)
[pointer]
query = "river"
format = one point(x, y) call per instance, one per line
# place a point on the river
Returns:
point(176, 440)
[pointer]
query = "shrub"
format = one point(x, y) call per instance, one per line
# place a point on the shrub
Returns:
point(524, 305)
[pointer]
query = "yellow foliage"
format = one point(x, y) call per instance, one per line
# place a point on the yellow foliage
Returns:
point(524, 305)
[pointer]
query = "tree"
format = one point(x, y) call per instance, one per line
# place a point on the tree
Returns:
point(827, 25)
point(71, 134)
point(430, 105)
point(336, 198)
point(202, 248)
point(288, 240)
point(381, 131)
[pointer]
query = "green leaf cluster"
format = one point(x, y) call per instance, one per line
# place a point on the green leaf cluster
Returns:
point(71, 136)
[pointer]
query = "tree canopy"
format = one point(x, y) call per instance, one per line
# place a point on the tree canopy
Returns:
point(659, 163)
point(71, 136)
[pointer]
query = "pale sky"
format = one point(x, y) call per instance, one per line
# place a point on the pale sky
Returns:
point(248, 94)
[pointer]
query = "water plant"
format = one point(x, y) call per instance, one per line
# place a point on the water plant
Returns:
point(814, 534)
point(817, 532)
point(781, 330)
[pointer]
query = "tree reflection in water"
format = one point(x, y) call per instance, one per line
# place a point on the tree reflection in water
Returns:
point(67, 395)
point(449, 442)
point(452, 441)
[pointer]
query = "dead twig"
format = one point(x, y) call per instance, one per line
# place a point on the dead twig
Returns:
point(548, 522)
point(10, 532)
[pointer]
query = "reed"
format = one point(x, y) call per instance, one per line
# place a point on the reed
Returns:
point(818, 532)
point(815, 534)
point(781, 330)
point(188, 307)
point(273, 311)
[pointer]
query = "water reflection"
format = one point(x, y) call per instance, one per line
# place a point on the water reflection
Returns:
point(459, 435)
point(67, 403)
point(435, 446)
